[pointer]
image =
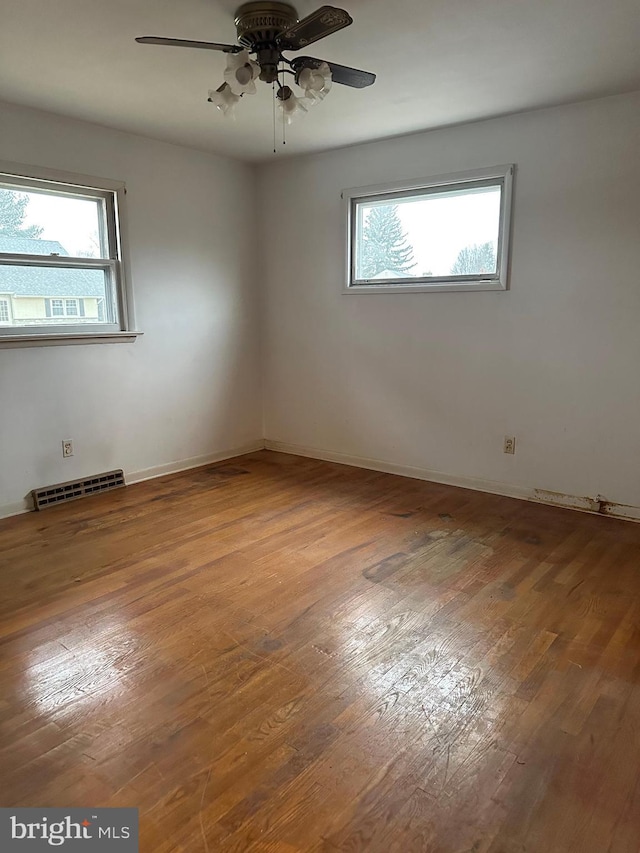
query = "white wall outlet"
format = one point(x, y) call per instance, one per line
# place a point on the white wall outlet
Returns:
point(510, 444)
point(67, 448)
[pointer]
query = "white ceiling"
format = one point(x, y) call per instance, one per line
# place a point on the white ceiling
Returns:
point(438, 62)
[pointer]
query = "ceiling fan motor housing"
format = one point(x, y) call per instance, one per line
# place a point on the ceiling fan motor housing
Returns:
point(259, 23)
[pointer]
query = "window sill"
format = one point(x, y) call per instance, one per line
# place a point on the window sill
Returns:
point(48, 340)
point(464, 287)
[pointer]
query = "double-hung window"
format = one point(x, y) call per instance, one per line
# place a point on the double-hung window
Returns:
point(62, 261)
point(449, 232)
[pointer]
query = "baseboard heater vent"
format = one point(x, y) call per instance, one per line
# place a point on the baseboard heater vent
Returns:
point(74, 489)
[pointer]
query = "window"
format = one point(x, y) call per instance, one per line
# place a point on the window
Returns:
point(67, 308)
point(444, 233)
point(61, 258)
point(4, 311)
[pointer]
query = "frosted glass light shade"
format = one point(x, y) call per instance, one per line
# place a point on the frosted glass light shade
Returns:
point(289, 105)
point(240, 73)
point(224, 99)
point(316, 82)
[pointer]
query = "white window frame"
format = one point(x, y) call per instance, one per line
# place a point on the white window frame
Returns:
point(115, 265)
point(490, 176)
point(6, 301)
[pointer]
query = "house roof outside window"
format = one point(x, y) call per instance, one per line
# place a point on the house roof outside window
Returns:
point(48, 282)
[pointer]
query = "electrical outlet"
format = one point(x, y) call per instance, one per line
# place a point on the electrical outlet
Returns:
point(67, 448)
point(510, 444)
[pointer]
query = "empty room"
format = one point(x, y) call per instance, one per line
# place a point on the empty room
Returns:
point(320, 426)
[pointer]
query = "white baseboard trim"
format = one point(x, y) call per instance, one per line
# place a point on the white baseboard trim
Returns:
point(594, 506)
point(582, 504)
point(132, 477)
point(478, 485)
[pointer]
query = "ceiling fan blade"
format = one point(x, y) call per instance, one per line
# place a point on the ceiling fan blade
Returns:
point(339, 73)
point(317, 25)
point(203, 45)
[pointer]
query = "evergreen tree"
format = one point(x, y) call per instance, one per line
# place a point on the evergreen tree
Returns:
point(384, 244)
point(475, 259)
point(13, 208)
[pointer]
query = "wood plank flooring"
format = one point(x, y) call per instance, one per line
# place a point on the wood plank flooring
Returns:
point(280, 654)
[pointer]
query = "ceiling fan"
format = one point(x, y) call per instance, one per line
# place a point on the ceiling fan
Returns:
point(266, 30)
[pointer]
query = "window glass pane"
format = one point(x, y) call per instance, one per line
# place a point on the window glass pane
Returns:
point(4, 311)
point(51, 296)
point(440, 233)
point(34, 222)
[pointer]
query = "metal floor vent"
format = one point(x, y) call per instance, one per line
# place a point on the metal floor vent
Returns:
point(62, 492)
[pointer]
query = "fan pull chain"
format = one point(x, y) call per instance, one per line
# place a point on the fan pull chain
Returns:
point(273, 90)
point(284, 117)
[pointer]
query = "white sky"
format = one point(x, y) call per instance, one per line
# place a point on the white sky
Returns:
point(72, 222)
point(439, 226)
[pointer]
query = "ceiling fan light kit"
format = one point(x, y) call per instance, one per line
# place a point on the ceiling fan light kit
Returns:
point(224, 99)
point(289, 104)
point(240, 73)
point(265, 30)
point(316, 82)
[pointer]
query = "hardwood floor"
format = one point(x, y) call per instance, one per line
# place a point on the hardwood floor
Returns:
point(280, 654)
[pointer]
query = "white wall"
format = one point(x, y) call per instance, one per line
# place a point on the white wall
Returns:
point(190, 387)
point(435, 381)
